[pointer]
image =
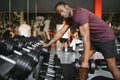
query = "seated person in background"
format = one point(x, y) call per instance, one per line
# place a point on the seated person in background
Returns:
point(8, 33)
point(75, 39)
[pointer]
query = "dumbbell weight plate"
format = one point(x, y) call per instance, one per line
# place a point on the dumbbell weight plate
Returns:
point(23, 67)
point(76, 65)
point(92, 66)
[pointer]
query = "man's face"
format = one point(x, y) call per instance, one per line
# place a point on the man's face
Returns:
point(63, 11)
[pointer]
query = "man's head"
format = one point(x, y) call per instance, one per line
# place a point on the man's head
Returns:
point(24, 22)
point(63, 9)
point(9, 27)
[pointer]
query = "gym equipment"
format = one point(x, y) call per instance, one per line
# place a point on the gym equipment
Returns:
point(58, 70)
point(92, 65)
point(22, 67)
point(41, 64)
point(3, 49)
point(54, 62)
point(12, 47)
point(76, 65)
point(50, 65)
point(50, 70)
point(31, 53)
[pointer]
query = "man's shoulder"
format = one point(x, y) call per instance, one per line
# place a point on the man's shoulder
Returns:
point(80, 9)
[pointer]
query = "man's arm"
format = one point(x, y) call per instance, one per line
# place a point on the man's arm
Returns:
point(57, 36)
point(85, 33)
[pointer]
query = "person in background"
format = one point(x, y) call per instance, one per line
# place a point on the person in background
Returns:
point(75, 39)
point(25, 29)
point(96, 36)
point(63, 42)
point(47, 26)
point(9, 32)
point(16, 28)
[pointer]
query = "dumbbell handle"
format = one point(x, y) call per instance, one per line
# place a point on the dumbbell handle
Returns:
point(34, 46)
point(17, 52)
point(25, 49)
point(7, 59)
point(58, 67)
point(30, 47)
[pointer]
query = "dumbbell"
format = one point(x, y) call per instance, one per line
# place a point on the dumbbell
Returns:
point(22, 67)
point(9, 45)
point(58, 71)
point(46, 73)
point(12, 48)
point(50, 69)
point(52, 66)
point(38, 49)
point(40, 67)
point(27, 41)
point(32, 54)
point(76, 65)
point(50, 74)
point(36, 46)
point(92, 65)
point(52, 62)
point(37, 69)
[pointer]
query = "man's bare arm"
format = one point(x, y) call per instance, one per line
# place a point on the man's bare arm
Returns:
point(85, 33)
point(58, 35)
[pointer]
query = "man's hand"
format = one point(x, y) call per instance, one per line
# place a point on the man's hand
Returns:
point(44, 45)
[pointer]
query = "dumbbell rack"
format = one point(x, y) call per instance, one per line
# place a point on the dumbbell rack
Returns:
point(12, 65)
point(51, 68)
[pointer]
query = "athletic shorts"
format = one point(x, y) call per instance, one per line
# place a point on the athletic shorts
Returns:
point(63, 40)
point(108, 49)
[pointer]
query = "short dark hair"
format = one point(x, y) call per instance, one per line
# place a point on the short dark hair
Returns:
point(60, 3)
point(8, 26)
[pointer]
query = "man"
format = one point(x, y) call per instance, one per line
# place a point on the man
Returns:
point(25, 29)
point(96, 36)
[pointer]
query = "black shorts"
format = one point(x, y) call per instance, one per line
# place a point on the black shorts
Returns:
point(63, 40)
point(108, 49)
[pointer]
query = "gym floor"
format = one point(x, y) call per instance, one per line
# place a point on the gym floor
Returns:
point(68, 71)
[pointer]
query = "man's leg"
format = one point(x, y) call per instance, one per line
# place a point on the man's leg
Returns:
point(113, 68)
point(84, 69)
